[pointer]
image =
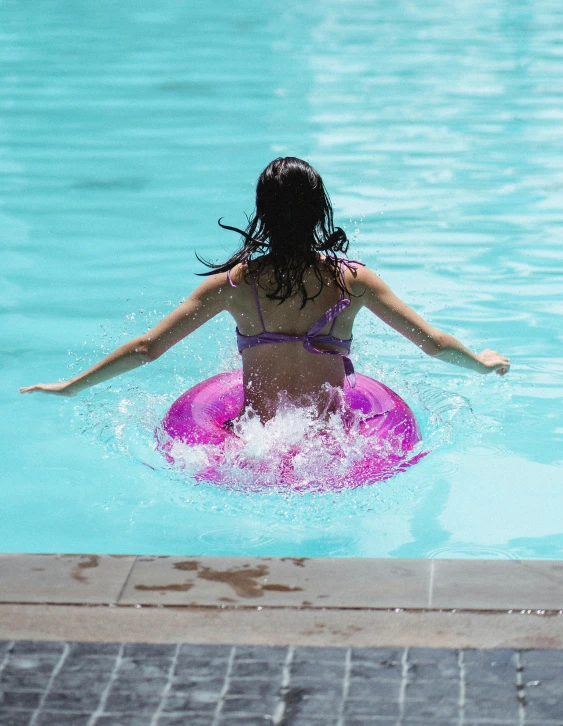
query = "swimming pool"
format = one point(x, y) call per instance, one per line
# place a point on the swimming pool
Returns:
point(127, 130)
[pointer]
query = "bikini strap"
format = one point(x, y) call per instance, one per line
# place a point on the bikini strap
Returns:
point(257, 300)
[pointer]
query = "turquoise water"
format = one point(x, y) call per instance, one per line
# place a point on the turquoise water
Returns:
point(127, 129)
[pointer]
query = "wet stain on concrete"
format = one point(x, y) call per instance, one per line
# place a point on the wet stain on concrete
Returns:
point(186, 565)
point(77, 571)
point(243, 581)
point(297, 561)
point(226, 599)
point(38, 569)
point(280, 588)
point(182, 587)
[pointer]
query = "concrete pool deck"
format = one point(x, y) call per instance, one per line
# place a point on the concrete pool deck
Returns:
point(282, 601)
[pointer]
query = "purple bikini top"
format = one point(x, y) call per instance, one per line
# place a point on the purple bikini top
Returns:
point(312, 336)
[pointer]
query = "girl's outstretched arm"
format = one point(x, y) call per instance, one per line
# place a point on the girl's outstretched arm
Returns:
point(378, 298)
point(207, 300)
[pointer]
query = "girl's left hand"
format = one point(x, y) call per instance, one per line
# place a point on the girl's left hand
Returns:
point(56, 389)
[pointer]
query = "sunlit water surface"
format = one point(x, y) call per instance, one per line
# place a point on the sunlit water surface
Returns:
point(127, 129)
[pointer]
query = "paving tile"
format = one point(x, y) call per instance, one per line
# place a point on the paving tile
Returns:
point(546, 709)
point(125, 701)
point(381, 671)
point(377, 655)
point(319, 654)
point(204, 702)
point(253, 687)
point(256, 706)
point(439, 688)
point(25, 700)
point(62, 578)
point(543, 690)
point(31, 680)
point(309, 721)
point(196, 650)
point(56, 718)
point(491, 708)
point(435, 710)
point(140, 668)
point(149, 650)
point(182, 719)
point(233, 720)
point(297, 704)
point(489, 658)
point(433, 671)
point(260, 652)
point(318, 689)
point(14, 718)
point(498, 673)
point(35, 647)
point(354, 582)
point(358, 708)
point(544, 657)
point(85, 650)
point(374, 689)
point(204, 690)
point(498, 584)
point(72, 701)
point(317, 669)
point(256, 669)
point(491, 690)
point(543, 672)
point(80, 680)
point(433, 655)
point(128, 719)
point(201, 667)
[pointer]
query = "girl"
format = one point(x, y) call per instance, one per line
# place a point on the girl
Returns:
point(294, 301)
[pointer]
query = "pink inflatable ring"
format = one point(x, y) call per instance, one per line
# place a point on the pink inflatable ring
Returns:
point(199, 416)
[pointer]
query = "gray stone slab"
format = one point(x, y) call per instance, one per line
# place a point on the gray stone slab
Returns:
point(56, 718)
point(313, 583)
point(431, 711)
point(498, 584)
point(14, 718)
point(124, 701)
point(24, 700)
point(81, 701)
point(251, 706)
point(371, 709)
point(201, 702)
point(93, 579)
point(181, 719)
point(371, 689)
point(492, 708)
point(253, 687)
point(317, 669)
point(129, 719)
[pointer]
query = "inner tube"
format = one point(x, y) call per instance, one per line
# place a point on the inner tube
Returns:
point(200, 416)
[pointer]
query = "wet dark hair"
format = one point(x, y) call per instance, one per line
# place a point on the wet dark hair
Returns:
point(292, 224)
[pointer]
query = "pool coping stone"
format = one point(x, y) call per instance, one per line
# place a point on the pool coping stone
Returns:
point(281, 582)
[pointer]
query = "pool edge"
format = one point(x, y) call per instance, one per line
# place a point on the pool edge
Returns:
point(267, 600)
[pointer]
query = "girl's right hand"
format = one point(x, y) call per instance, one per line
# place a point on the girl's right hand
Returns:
point(57, 389)
point(494, 362)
